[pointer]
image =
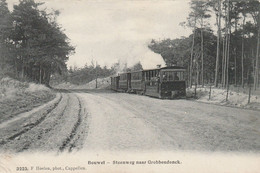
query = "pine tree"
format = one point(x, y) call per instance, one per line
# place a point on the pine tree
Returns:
point(5, 27)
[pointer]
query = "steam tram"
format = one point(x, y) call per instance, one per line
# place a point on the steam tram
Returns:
point(166, 82)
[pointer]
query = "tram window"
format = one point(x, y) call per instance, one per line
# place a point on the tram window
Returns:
point(157, 73)
point(123, 77)
point(176, 76)
point(181, 75)
point(164, 76)
point(137, 76)
point(172, 76)
point(147, 75)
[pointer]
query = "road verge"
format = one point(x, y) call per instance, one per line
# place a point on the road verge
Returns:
point(18, 97)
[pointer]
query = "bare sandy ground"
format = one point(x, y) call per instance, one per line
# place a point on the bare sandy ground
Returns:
point(101, 120)
point(131, 122)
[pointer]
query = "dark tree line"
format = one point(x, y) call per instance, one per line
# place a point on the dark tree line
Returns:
point(33, 45)
point(231, 56)
point(93, 71)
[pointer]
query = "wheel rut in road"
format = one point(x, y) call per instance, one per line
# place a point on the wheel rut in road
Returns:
point(23, 129)
point(60, 127)
point(72, 139)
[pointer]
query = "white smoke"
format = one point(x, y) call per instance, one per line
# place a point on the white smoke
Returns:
point(139, 52)
point(150, 60)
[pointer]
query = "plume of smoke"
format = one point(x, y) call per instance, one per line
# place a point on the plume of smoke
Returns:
point(139, 53)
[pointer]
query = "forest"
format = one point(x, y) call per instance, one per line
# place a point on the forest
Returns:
point(33, 45)
point(223, 54)
point(83, 75)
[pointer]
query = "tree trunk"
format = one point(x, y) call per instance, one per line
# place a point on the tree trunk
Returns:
point(225, 52)
point(48, 77)
point(235, 58)
point(218, 43)
point(248, 76)
point(202, 59)
point(256, 76)
point(198, 73)
point(16, 67)
point(40, 79)
point(242, 56)
point(228, 54)
point(43, 75)
point(188, 75)
point(223, 62)
point(22, 67)
point(235, 66)
point(191, 58)
point(253, 63)
point(228, 46)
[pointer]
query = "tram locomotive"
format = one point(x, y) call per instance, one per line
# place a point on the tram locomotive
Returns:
point(165, 83)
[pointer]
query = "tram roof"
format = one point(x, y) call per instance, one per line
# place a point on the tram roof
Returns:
point(163, 68)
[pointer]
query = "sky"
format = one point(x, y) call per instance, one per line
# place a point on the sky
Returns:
point(110, 31)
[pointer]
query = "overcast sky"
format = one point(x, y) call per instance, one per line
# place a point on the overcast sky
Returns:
point(108, 31)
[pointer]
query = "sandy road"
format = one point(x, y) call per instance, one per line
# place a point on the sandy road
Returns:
point(104, 120)
point(122, 121)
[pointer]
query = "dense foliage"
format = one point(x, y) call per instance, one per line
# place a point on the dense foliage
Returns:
point(229, 57)
point(93, 71)
point(33, 46)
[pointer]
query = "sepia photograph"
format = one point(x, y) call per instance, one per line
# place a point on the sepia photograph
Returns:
point(100, 86)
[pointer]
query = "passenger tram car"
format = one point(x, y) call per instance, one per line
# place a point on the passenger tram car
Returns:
point(165, 83)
